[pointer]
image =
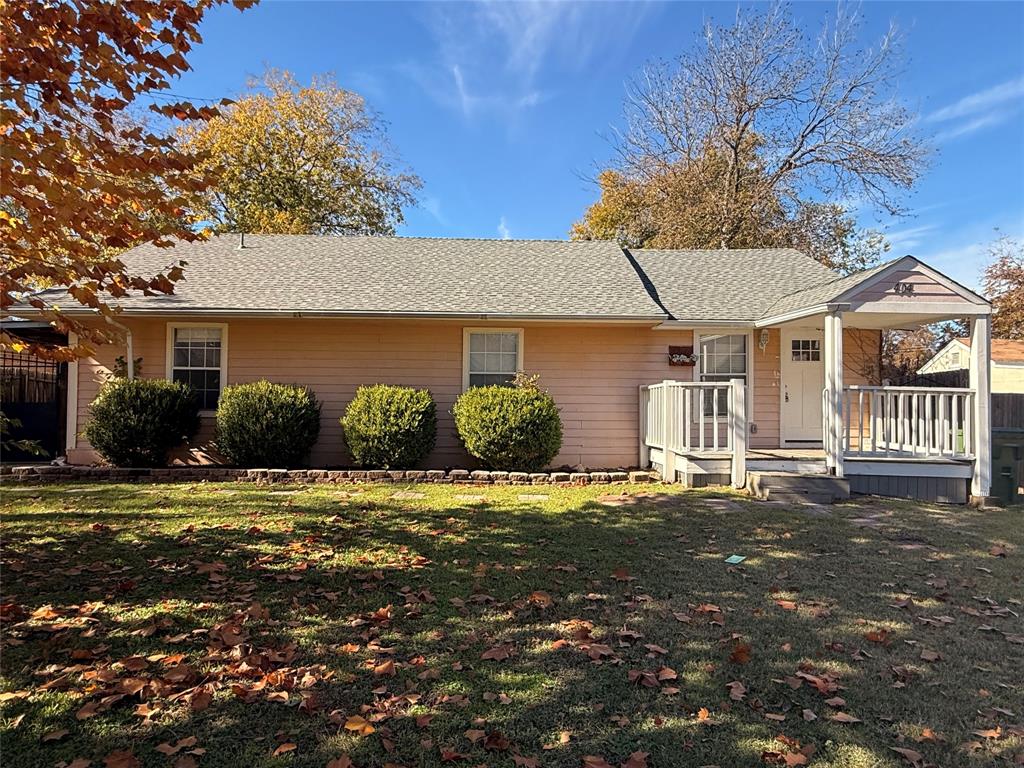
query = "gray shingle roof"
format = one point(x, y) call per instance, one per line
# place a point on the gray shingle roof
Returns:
point(727, 284)
point(465, 277)
point(400, 275)
point(825, 292)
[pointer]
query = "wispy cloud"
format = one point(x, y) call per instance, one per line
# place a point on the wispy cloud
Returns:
point(909, 238)
point(981, 101)
point(963, 254)
point(503, 231)
point(971, 126)
point(979, 110)
point(432, 205)
point(489, 57)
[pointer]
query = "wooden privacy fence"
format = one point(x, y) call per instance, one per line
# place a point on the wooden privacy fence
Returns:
point(1008, 412)
point(908, 421)
point(682, 419)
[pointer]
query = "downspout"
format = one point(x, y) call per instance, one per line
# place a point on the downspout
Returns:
point(129, 348)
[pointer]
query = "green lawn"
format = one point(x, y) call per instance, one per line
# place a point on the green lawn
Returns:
point(214, 625)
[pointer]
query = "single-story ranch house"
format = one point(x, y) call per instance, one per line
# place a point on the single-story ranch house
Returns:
point(703, 364)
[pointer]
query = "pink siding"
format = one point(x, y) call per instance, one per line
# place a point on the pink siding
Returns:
point(766, 403)
point(592, 371)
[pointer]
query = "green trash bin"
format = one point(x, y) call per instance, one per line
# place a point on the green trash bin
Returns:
point(1006, 462)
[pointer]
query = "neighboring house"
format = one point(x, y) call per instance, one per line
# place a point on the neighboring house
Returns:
point(773, 329)
point(1007, 362)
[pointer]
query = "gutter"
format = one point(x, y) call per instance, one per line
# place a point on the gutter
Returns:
point(797, 314)
point(347, 314)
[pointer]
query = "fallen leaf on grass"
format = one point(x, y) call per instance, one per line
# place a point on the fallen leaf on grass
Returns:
point(285, 748)
point(622, 574)
point(927, 655)
point(360, 725)
point(497, 653)
point(844, 717)
point(703, 714)
point(737, 690)
point(741, 653)
point(786, 605)
point(122, 758)
point(541, 599)
point(595, 761)
point(989, 733)
point(55, 735)
point(880, 636)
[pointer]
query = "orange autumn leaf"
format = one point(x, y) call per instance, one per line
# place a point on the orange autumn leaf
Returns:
point(741, 653)
point(360, 725)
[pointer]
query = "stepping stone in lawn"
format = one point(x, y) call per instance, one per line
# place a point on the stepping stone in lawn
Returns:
point(408, 495)
point(533, 497)
point(471, 498)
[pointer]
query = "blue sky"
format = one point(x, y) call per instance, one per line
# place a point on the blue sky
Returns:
point(503, 108)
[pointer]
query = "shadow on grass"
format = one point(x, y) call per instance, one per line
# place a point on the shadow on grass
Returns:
point(321, 562)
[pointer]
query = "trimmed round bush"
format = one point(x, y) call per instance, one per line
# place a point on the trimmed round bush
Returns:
point(136, 423)
point(262, 424)
point(514, 429)
point(390, 427)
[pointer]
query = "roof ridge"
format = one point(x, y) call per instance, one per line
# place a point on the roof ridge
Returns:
point(423, 237)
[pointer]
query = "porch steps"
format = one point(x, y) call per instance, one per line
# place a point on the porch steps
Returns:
point(796, 487)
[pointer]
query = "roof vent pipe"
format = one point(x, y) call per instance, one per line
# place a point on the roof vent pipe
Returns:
point(241, 240)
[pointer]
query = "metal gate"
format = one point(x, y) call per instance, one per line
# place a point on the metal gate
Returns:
point(33, 392)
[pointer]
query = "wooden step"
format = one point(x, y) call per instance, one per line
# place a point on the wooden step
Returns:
point(798, 487)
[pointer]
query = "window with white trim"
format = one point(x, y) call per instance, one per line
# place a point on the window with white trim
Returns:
point(196, 359)
point(492, 356)
point(722, 357)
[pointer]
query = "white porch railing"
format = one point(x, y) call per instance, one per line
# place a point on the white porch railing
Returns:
point(918, 422)
point(684, 419)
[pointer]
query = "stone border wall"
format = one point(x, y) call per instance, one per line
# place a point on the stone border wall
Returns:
point(72, 474)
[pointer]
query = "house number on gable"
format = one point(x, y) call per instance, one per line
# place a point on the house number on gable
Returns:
point(904, 289)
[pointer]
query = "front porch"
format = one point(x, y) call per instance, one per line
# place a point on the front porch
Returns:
point(913, 442)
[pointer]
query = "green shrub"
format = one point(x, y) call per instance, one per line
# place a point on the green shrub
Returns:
point(136, 422)
point(509, 428)
point(389, 427)
point(261, 424)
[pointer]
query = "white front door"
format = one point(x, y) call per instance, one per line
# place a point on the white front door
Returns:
point(803, 379)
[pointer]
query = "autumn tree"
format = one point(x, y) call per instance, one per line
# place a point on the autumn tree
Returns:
point(81, 181)
point(764, 125)
point(296, 159)
point(1003, 282)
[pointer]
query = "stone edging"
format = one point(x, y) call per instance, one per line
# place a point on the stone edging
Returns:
point(63, 474)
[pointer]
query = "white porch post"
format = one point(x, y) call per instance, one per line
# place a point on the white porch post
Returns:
point(980, 373)
point(738, 426)
point(833, 437)
point(645, 450)
point(670, 431)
